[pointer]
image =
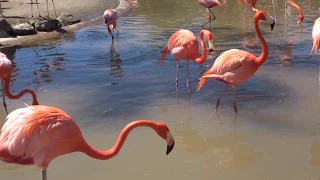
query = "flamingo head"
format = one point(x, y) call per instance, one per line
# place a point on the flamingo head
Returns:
point(208, 35)
point(164, 132)
point(301, 17)
point(217, 3)
point(262, 15)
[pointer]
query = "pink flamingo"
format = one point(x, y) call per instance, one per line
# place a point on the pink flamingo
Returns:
point(5, 75)
point(210, 4)
point(36, 135)
point(235, 66)
point(110, 18)
point(301, 17)
point(184, 45)
point(252, 3)
point(316, 35)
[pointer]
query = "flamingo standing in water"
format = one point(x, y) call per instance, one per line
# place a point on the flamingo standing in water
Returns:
point(210, 4)
point(5, 75)
point(235, 66)
point(301, 17)
point(316, 35)
point(252, 3)
point(184, 45)
point(110, 17)
point(36, 135)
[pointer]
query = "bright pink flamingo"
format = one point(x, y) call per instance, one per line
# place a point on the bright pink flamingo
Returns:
point(5, 75)
point(210, 4)
point(110, 18)
point(36, 135)
point(301, 17)
point(235, 66)
point(316, 35)
point(184, 45)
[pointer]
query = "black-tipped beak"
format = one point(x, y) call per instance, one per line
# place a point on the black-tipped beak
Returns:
point(210, 50)
point(105, 21)
point(169, 148)
point(272, 25)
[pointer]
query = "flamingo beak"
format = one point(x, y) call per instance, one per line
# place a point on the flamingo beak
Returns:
point(170, 143)
point(272, 25)
point(105, 21)
point(210, 46)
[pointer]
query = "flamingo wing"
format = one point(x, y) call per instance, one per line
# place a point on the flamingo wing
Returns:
point(5, 66)
point(316, 35)
point(37, 133)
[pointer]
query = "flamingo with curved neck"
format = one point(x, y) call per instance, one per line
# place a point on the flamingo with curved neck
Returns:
point(5, 75)
point(184, 45)
point(36, 135)
point(301, 17)
point(235, 66)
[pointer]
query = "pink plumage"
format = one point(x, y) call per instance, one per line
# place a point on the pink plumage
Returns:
point(110, 17)
point(5, 66)
point(316, 35)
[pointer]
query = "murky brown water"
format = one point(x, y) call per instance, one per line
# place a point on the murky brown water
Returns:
point(275, 135)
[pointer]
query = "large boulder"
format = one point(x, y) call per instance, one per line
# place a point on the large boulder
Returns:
point(23, 29)
point(5, 26)
point(47, 25)
point(67, 19)
point(4, 34)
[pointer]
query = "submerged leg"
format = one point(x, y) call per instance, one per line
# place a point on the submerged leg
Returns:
point(54, 8)
point(219, 99)
point(4, 98)
point(210, 19)
point(235, 101)
point(188, 85)
point(177, 70)
point(44, 175)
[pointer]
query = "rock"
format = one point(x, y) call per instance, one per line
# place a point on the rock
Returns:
point(4, 34)
point(47, 25)
point(67, 19)
point(5, 26)
point(23, 29)
point(33, 20)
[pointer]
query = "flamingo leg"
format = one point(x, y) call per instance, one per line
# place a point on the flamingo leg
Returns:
point(44, 175)
point(177, 70)
point(214, 17)
point(54, 8)
point(219, 99)
point(21, 2)
point(235, 101)
point(4, 98)
point(1, 13)
point(188, 85)
point(47, 7)
point(38, 8)
point(244, 10)
point(31, 9)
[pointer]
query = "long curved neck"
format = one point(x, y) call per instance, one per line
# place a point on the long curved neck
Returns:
point(298, 8)
point(104, 155)
point(263, 57)
point(204, 55)
point(11, 96)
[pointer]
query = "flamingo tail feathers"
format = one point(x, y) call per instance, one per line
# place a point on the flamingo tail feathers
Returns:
point(316, 44)
point(165, 51)
point(203, 80)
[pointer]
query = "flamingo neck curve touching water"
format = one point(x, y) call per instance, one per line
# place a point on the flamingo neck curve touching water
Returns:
point(184, 45)
point(36, 135)
point(235, 66)
point(301, 17)
point(6, 68)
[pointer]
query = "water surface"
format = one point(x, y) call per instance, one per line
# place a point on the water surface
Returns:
point(104, 86)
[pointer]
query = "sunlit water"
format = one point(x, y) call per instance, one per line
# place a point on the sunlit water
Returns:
point(274, 136)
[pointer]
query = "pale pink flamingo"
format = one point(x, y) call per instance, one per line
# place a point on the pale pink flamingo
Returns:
point(210, 4)
point(235, 66)
point(252, 3)
point(110, 17)
point(316, 35)
point(6, 68)
point(36, 135)
point(184, 45)
point(301, 17)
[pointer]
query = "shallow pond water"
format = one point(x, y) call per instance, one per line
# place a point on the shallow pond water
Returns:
point(103, 87)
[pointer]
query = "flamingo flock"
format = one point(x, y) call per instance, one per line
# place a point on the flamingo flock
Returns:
point(37, 134)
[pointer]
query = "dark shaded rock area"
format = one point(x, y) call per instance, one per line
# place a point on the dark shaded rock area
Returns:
point(35, 25)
